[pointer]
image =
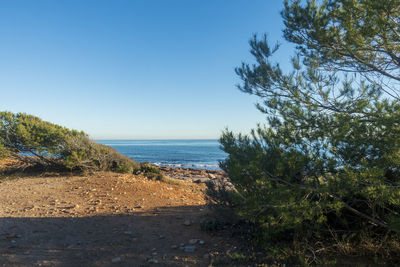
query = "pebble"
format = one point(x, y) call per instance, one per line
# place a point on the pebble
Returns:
point(116, 260)
point(174, 246)
point(201, 242)
point(189, 248)
point(152, 260)
point(128, 233)
point(187, 223)
point(193, 241)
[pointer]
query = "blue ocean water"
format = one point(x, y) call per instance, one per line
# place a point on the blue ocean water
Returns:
point(195, 154)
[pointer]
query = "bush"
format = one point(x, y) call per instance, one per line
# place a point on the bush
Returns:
point(150, 171)
point(81, 153)
point(38, 142)
point(4, 152)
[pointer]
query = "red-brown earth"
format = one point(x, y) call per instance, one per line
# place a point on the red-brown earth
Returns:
point(107, 219)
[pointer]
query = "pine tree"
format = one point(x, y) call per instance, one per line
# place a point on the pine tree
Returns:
point(327, 163)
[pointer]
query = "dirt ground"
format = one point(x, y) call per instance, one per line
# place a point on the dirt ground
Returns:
point(106, 219)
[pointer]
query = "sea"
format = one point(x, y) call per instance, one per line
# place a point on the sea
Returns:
point(194, 154)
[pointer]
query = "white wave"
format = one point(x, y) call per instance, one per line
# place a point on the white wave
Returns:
point(188, 165)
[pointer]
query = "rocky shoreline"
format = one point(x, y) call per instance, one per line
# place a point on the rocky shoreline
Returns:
point(215, 179)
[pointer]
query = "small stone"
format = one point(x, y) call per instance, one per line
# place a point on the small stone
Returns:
point(201, 242)
point(152, 260)
point(187, 223)
point(174, 246)
point(128, 232)
point(116, 260)
point(193, 241)
point(154, 253)
point(189, 249)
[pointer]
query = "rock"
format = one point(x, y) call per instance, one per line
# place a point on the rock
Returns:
point(200, 180)
point(189, 248)
point(116, 260)
point(152, 260)
point(193, 241)
point(187, 223)
point(174, 246)
point(128, 233)
point(201, 242)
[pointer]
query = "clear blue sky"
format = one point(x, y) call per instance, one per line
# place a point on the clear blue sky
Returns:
point(145, 69)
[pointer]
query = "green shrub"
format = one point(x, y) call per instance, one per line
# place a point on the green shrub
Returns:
point(36, 141)
point(4, 152)
point(82, 153)
point(148, 168)
point(150, 171)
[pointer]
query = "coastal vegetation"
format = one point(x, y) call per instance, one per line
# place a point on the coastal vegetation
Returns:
point(44, 145)
point(322, 177)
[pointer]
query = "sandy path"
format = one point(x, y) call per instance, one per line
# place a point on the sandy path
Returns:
point(105, 219)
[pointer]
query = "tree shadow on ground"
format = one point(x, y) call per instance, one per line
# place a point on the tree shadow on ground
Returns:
point(134, 239)
point(126, 239)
